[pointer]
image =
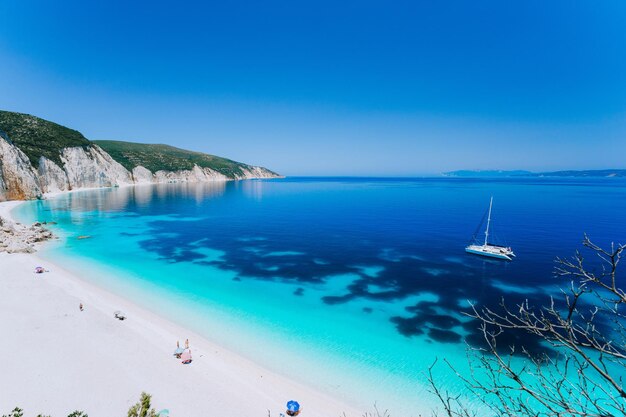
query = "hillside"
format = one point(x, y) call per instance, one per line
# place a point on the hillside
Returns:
point(38, 137)
point(599, 173)
point(167, 158)
point(38, 157)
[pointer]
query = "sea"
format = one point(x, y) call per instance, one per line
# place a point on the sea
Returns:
point(354, 286)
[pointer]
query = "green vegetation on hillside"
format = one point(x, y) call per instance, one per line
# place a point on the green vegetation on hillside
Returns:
point(38, 137)
point(167, 158)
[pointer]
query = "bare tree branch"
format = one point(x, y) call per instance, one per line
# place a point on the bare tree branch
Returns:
point(585, 330)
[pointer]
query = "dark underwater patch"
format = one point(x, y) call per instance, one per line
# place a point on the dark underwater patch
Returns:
point(444, 336)
point(402, 273)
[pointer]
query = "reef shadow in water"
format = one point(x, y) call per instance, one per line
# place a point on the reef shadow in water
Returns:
point(400, 275)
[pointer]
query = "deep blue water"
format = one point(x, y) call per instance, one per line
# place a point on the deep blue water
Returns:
point(354, 284)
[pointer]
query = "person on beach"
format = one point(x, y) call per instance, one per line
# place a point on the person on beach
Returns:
point(186, 357)
point(178, 350)
point(80, 306)
point(187, 344)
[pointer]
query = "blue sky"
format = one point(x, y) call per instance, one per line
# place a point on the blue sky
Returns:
point(331, 88)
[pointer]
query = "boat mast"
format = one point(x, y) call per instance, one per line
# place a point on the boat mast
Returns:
point(488, 221)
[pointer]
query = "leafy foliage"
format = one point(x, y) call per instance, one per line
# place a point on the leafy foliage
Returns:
point(167, 158)
point(143, 407)
point(38, 137)
point(17, 412)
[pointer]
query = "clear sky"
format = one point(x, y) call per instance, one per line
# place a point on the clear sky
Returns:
point(331, 88)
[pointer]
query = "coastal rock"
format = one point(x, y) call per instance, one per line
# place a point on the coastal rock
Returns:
point(252, 172)
point(18, 238)
point(196, 174)
point(3, 187)
point(18, 179)
point(90, 166)
point(52, 177)
point(142, 175)
point(93, 168)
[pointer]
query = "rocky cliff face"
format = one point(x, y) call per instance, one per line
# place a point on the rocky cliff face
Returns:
point(93, 168)
point(52, 177)
point(89, 167)
point(196, 174)
point(16, 237)
point(142, 175)
point(18, 179)
point(255, 172)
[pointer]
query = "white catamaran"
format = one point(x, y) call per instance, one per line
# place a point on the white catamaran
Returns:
point(488, 249)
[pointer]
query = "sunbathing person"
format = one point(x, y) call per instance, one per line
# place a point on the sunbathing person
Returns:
point(186, 357)
point(179, 351)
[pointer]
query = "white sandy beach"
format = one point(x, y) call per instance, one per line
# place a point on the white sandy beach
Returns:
point(55, 358)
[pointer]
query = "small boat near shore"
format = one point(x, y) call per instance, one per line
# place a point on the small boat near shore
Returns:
point(489, 249)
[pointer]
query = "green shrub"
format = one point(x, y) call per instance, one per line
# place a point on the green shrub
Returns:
point(38, 137)
point(17, 412)
point(167, 158)
point(142, 408)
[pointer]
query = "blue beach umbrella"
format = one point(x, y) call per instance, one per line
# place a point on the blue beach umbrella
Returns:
point(293, 406)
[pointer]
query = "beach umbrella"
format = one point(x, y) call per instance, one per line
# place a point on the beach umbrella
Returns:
point(186, 356)
point(293, 406)
point(179, 351)
point(164, 413)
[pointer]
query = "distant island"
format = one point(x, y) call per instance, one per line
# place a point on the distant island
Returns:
point(599, 173)
point(38, 156)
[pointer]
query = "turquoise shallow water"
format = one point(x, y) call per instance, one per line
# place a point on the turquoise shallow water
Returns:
point(353, 285)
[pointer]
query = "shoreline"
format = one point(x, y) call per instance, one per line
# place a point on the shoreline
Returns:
point(100, 365)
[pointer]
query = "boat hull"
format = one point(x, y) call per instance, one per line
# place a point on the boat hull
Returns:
point(489, 254)
point(488, 249)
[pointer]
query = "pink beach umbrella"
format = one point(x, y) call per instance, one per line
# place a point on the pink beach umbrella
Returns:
point(186, 356)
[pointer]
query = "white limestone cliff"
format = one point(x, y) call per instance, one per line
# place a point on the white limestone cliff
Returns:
point(196, 174)
point(18, 179)
point(142, 175)
point(255, 172)
point(90, 167)
point(51, 177)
